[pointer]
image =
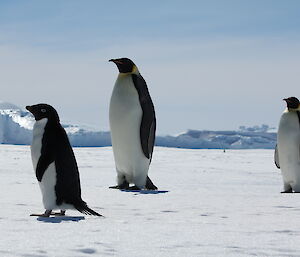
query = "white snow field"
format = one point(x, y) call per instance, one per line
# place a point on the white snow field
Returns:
point(218, 204)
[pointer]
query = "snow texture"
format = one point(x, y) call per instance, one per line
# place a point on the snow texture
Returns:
point(218, 204)
point(16, 128)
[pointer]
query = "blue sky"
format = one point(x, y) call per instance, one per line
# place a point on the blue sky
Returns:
point(208, 64)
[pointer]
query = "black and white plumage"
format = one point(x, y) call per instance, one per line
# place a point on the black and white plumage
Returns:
point(287, 152)
point(133, 125)
point(54, 163)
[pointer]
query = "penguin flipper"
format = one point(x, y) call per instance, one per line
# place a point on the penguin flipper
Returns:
point(276, 157)
point(148, 123)
point(47, 152)
point(44, 161)
point(124, 185)
point(151, 139)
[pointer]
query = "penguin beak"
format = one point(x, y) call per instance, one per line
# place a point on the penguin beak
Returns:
point(29, 108)
point(115, 61)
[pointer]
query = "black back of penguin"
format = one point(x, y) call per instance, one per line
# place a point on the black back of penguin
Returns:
point(148, 123)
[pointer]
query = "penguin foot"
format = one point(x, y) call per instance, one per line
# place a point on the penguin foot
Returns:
point(124, 185)
point(150, 185)
point(133, 188)
point(287, 191)
point(47, 213)
point(61, 213)
point(116, 187)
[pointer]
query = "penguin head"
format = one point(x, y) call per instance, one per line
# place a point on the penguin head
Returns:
point(124, 65)
point(292, 103)
point(41, 111)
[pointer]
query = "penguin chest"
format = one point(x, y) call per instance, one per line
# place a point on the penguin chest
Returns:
point(125, 115)
point(125, 112)
point(124, 104)
point(288, 140)
point(48, 182)
point(37, 140)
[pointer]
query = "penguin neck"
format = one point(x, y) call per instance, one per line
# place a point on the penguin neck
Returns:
point(38, 128)
point(41, 122)
point(290, 110)
point(44, 121)
point(135, 71)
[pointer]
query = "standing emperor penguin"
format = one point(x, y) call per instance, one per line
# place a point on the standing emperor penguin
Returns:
point(287, 151)
point(132, 125)
point(54, 164)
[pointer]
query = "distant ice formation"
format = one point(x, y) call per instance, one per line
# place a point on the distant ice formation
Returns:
point(241, 139)
point(16, 128)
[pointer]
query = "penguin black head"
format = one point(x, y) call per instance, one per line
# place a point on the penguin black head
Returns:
point(124, 65)
point(292, 102)
point(41, 111)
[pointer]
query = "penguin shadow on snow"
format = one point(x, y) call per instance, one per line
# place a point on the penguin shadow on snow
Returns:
point(145, 192)
point(59, 219)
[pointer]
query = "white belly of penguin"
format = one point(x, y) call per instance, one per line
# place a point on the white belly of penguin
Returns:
point(125, 115)
point(288, 140)
point(48, 182)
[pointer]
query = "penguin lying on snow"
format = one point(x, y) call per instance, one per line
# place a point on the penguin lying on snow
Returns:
point(132, 125)
point(287, 152)
point(55, 164)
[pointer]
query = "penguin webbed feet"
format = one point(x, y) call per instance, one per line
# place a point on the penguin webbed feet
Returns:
point(134, 188)
point(145, 188)
point(124, 185)
point(290, 190)
point(61, 213)
point(47, 213)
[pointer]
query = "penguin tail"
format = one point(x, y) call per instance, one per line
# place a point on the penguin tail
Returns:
point(83, 208)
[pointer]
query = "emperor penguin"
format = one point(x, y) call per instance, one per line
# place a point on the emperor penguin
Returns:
point(287, 151)
point(54, 164)
point(132, 125)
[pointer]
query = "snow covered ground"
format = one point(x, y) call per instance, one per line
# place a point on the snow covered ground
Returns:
point(218, 204)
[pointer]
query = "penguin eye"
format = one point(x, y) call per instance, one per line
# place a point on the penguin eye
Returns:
point(43, 110)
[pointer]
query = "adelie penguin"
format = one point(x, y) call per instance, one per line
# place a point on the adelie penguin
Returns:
point(287, 152)
point(54, 164)
point(132, 125)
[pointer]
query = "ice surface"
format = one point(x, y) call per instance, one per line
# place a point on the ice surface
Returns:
point(218, 204)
